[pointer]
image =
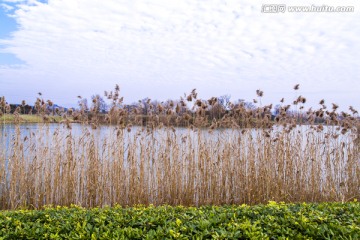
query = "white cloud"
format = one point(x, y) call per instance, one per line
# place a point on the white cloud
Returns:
point(167, 48)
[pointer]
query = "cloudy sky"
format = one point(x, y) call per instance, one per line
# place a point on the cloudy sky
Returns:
point(164, 48)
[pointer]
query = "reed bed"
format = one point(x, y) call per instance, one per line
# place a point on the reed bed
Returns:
point(246, 156)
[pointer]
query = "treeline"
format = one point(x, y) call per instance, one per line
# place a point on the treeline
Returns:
point(26, 109)
point(188, 110)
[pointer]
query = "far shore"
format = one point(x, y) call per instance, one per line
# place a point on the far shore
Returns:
point(26, 118)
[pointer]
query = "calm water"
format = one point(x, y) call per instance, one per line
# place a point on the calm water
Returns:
point(46, 131)
point(40, 137)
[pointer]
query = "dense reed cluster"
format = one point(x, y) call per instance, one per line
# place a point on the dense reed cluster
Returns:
point(189, 152)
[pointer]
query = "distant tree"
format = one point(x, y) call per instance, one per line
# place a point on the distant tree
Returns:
point(247, 105)
point(144, 105)
point(224, 101)
point(277, 109)
point(218, 106)
point(83, 104)
point(98, 104)
point(155, 105)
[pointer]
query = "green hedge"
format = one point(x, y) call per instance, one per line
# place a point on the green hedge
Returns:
point(272, 221)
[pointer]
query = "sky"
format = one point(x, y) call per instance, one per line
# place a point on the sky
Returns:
point(162, 49)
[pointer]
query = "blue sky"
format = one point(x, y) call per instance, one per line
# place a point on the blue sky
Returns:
point(162, 49)
point(7, 26)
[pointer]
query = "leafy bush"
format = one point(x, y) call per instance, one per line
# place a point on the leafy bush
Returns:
point(271, 221)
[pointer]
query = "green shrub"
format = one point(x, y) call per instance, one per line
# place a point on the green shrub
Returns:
point(271, 221)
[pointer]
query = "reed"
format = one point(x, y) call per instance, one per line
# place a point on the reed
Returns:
point(245, 156)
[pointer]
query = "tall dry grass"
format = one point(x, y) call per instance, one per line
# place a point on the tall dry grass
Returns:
point(243, 157)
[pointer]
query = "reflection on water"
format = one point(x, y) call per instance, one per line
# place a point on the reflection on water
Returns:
point(45, 133)
point(52, 137)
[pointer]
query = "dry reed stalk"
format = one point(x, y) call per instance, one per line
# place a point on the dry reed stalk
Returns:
point(230, 168)
point(239, 156)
